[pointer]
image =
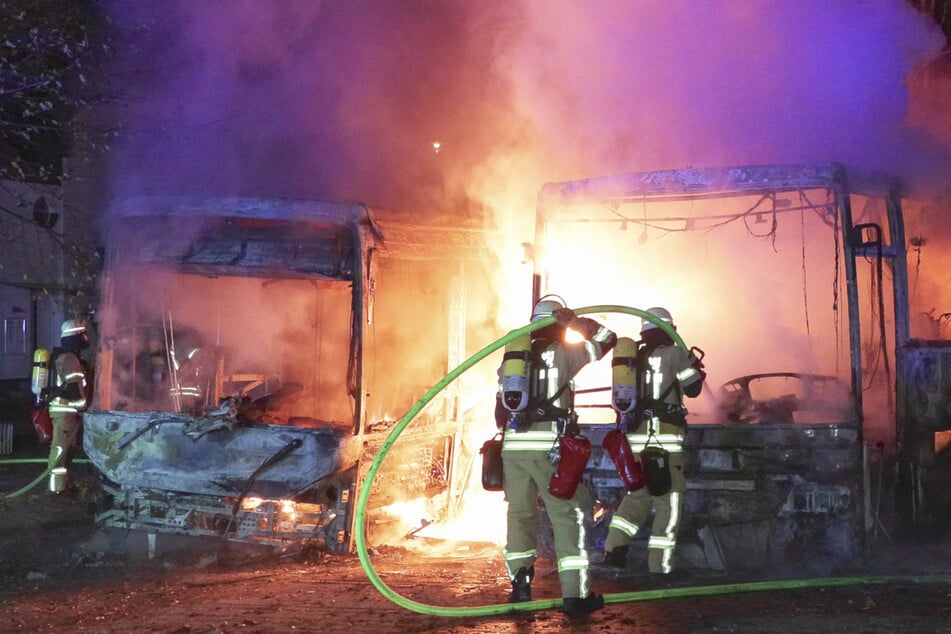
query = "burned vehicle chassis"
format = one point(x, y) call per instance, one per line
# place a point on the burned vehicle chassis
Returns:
point(269, 522)
point(237, 392)
point(763, 490)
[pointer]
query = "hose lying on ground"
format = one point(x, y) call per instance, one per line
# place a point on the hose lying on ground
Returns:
point(644, 595)
point(34, 483)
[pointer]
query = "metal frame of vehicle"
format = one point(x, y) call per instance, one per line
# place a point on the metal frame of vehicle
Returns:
point(768, 493)
point(218, 472)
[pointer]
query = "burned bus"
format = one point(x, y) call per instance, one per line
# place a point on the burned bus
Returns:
point(254, 353)
point(792, 279)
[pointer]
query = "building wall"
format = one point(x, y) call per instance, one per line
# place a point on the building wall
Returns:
point(31, 275)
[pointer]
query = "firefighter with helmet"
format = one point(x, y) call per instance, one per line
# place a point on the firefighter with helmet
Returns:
point(68, 398)
point(664, 374)
point(529, 437)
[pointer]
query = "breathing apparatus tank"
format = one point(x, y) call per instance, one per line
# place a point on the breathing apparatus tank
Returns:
point(41, 374)
point(623, 399)
point(516, 373)
point(624, 380)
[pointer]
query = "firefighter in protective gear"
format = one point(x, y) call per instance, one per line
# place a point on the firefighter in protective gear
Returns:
point(665, 373)
point(188, 374)
point(527, 470)
point(67, 399)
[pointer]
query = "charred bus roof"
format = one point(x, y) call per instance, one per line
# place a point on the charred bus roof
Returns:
point(240, 236)
point(692, 183)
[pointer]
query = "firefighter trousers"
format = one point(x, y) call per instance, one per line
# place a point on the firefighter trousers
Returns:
point(633, 512)
point(526, 475)
point(65, 428)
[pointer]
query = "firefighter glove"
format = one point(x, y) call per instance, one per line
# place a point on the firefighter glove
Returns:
point(564, 316)
point(585, 327)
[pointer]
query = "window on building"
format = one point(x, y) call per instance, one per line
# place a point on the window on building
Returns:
point(14, 336)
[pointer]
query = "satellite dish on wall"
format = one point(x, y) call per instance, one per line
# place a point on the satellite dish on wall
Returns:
point(42, 214)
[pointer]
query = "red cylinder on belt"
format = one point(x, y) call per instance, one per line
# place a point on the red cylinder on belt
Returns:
point(575, 451)
point(623, 399)
point(628, 466)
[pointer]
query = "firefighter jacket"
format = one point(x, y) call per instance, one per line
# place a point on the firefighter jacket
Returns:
point(69, 394)
point(186, 361)
point(555, 363)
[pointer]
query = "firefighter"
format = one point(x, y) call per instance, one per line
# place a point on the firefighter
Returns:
point(188, 376)
point(67, 399)
point(665, 373)
point(528, 468)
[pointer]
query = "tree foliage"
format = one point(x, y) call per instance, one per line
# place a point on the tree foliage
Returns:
point(48, 54)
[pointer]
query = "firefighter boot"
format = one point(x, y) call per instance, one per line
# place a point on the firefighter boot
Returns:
point(522, 585)
point(579, 608)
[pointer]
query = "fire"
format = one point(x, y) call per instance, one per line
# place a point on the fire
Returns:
point(480, 519)
point(251, 503)
point(410, 511)
point(474, 515)
point(289, 509)
point(705, 261)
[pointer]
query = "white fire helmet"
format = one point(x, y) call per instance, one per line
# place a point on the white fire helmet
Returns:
point(545, 308)
point(72, 327)
point(657, 311)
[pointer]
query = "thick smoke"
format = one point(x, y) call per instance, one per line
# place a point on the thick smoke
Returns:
point(653, 85)
point(304, 99)
point(343, 100)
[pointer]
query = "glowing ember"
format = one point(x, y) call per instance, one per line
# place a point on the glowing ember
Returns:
point(289, 508)
point(250, 504)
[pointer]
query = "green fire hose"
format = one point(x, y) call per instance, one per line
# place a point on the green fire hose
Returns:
point(504, 608)
point(36, 481)
point(410, 415)
point(489, 610)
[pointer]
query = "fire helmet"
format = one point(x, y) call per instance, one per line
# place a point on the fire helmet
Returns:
point(659, 312)
point(545, 308)
point(72, 327)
